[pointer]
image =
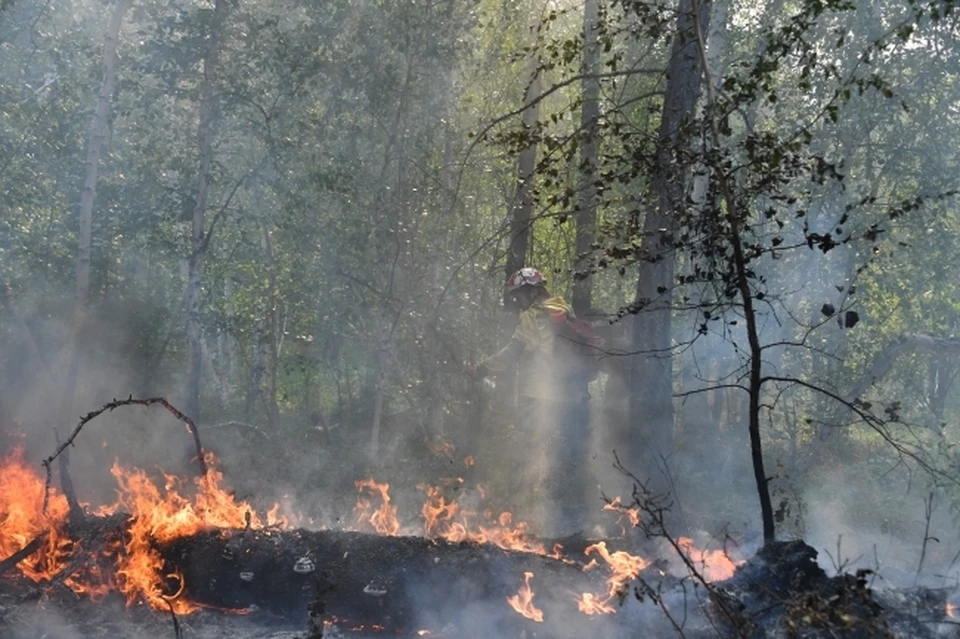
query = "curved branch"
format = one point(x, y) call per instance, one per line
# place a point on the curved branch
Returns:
point(904, 345)
point(130, 401)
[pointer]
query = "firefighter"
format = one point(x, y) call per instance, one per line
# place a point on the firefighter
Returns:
point(552, 395)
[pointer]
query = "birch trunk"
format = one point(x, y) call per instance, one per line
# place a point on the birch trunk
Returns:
point(274, 336)
point(650, 436)
point(198, 244)
point(94, 145)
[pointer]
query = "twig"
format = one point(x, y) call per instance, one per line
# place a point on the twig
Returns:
point(177, 632)
point(928, 508)
point(150, 401)
point(66, 483)
point(653, 525)
point(208, 427)
point(23, 553)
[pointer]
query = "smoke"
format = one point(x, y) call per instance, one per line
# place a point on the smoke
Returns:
point(44, 624)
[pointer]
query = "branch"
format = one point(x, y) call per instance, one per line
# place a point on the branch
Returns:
point(216, 217)
point(23, 553)
point(907, 343)
point(150, 401)
point(871, 420)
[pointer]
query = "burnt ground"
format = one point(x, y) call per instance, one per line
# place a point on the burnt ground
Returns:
point(781, 592)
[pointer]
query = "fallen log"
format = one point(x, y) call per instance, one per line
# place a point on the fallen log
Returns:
point(398, 583)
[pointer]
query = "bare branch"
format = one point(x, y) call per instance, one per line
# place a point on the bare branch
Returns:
point(130, 401)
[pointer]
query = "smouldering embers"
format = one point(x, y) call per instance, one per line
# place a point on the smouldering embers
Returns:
point(165, 514)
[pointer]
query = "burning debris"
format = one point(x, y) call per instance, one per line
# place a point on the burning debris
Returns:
point(189, 548)
point(783, 592)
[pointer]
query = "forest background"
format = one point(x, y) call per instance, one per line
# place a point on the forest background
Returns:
point(294, 220)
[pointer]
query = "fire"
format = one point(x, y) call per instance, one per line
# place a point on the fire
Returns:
point(714, 565)
point(155, 517)
point(522, 602)
point(590, 604)
point(175, 508)
point(163, 516)
point(445, 520)
point(384, 519)
point(22, 519)
point(951, 611)
point(631, 515)
point(624, 568)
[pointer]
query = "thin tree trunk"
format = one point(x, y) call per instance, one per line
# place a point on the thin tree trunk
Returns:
point(378, 388)
point(198, 243)
point(97, 134)
point(756, 363)
point(273, 332)
point(651, 403)
point(521, 217)
point(582, 296)
point(521, 221)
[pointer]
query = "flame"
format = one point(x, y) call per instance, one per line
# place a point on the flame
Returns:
point(155, 517)
point(175, 508)
point(446, 520)
point(951, 611)
point(160, 517)
point(590, 604)
point(631, 515)
point(22, 519)
point(714, 565)
point(624, 568)
point(522, 602)
point(384, 519)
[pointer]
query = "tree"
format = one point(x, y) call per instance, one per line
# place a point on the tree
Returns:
point(200, 235)
point(589, 168)
point(651, 403)
point(98, 132)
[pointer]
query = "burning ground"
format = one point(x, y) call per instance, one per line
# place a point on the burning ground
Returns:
point(188, 549)
point(176, 555)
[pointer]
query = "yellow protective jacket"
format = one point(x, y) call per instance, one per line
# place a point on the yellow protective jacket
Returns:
point(545, 372)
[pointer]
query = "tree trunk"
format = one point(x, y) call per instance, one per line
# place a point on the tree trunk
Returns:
point(380, 380)
point(651, 404)
point(198, 243)
point(521, 218)
point(521, 224)
point(274, 333)
point(97, 133)
point(581, 298)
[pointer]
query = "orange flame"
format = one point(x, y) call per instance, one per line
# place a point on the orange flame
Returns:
point(522, 602)
point(951, 611)
point(631, 515)
point(446, 520)
point(624, 568)
point(156, 517)
point(384, 519)
point(163, 516)
point(22, 519)
point(714, 565)
point(590, 604)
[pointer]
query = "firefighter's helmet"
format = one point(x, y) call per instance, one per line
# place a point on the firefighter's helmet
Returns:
point(524, 277)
